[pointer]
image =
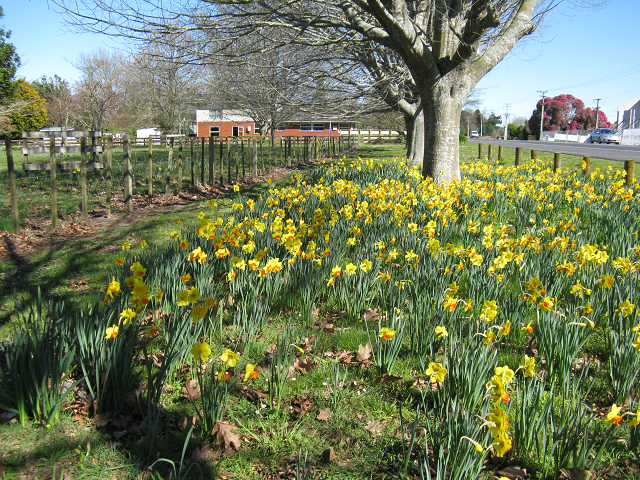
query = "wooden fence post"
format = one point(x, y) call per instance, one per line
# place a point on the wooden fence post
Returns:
point(557, 162)
point(54, 181)
point(254, 155)
point(244, 174)
point(262, 156)
point(128, 180)
point(83, 176)
point(150, 171)
point(109, 159)
point(630, 168)
point(211, 161)
point(25, 156)
point(202, 164)
point(490, 151)
point(193, 167)
point(235, 144)
point(12, 186)
point(180, 160)
point(480, 151)
point(500, 150)
point(167, 181)
point(518, 156)
point(587, 165)
point(221, 150)
point(534, 154)
point(228, 160)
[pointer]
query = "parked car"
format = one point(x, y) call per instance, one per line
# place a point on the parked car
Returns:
point(604, 135)
point(474, 134)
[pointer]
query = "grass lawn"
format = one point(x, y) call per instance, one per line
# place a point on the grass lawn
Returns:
point(288, 330)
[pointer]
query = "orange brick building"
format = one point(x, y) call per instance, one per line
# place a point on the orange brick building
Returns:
point(226, 123)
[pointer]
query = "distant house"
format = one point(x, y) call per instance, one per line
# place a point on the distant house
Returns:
point(629, 114)
point(148, 132)
point(229, 123)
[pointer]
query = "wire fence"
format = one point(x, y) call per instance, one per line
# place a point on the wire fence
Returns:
point(43, 189)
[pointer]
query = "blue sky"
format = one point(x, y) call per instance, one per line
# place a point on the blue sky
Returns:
point(596, 47)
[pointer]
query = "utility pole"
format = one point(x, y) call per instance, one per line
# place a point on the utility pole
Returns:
point(597, 100)
point(506, 120)
point(542, 113)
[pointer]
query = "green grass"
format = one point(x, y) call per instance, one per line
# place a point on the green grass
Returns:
point(362, 429)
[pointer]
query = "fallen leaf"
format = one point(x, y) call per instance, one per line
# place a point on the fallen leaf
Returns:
point(574, 474)
point(386, 378)
point(191, 390)
point(101, 419)
point(305, 365)
point(513, 472)
point(301, 404)
point(329, 455)
point(309, 343)
point(224, 435)
point(324, 415)
point(204, 454)
point(252, 395)
point(376, 426)
point(364, 352)
point(370, 314)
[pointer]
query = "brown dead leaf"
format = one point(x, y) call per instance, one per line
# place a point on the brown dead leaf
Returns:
point(364, 352)
point(344, 356)
point(386, 378)
point(513, 472)
point(574, 474)
point(305, 365)
point(191, 390)
point(301, 404)
point(309, 343)
point(204, 454)
point(376, 426)
point(329, 455)
point(252, 395)
point(324, 415)
point(101, 419)
point(371, 314)
point(223, 434)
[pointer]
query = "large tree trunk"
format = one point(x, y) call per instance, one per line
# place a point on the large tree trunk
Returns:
point(415, 137)
point(442, 108)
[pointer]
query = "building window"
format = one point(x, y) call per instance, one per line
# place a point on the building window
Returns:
point(318, 127)
point(214, 131)
point(257, 130)
point(306, 127)
point(237, 131)
point(280, 128)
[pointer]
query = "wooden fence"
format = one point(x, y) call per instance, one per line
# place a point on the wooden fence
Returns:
point(629, 165)
point(235, 158)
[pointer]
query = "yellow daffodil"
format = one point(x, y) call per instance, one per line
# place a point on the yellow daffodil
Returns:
point(614, 415)
point(112, 332)
point(436, 372)
point(441, 332)
point(387, 333)
point(127, 315)
point(250, 372)
point(201, 351)
point(229, 358)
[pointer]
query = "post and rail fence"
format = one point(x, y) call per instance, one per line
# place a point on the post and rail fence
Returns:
point(110, 172)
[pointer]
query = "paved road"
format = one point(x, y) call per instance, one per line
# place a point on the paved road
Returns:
point(605, 152)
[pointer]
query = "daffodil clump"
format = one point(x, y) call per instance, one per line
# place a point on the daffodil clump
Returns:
point(457, 275)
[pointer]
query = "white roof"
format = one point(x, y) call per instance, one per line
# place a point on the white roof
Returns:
point(627, 105)
point(221, 116)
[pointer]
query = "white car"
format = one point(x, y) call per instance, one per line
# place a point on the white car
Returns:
point(604, 135)
point(474, 134)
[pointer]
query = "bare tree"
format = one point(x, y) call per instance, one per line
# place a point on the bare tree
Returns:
point(99, 93)
point(162, 87)
point(60, 104)
point(447, 45)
